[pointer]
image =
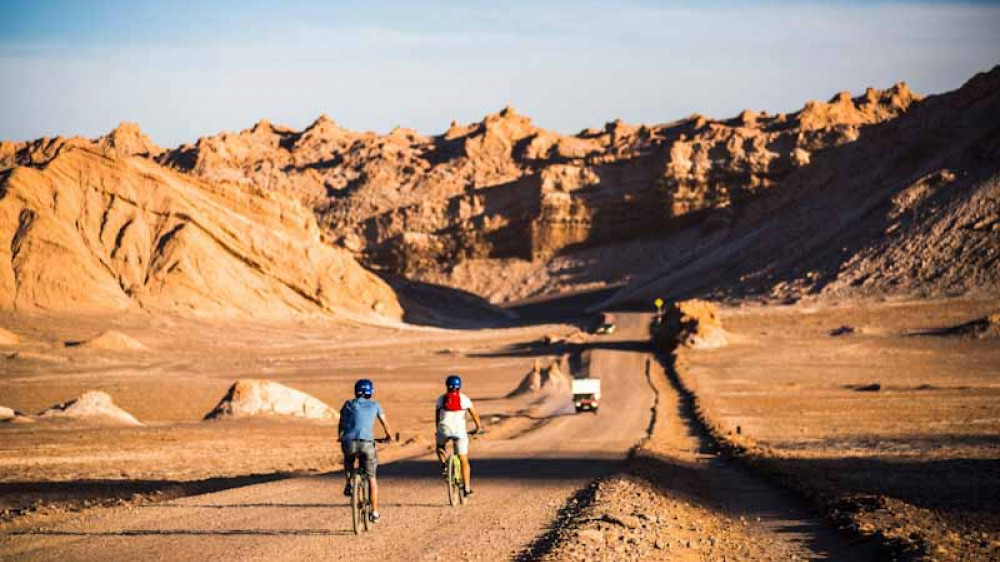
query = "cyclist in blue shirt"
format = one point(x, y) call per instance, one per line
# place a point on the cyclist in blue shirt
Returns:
point(357, 439)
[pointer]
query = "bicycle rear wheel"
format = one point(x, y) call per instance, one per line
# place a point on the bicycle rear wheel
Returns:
point(460, 481)
point(366, 503)
point(454, 474)
point(356, 503)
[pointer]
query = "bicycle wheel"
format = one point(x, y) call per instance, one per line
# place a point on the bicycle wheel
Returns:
point(366, 503)
point(460, 481)
point(356, 502)
point(453, 475)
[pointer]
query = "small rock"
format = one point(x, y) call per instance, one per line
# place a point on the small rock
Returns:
point(591, 537)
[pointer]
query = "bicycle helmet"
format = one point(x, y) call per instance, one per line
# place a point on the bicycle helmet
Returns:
point(453, 382)
point(364, 387)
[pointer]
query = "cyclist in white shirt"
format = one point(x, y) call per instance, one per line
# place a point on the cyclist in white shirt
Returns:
point(449, 416)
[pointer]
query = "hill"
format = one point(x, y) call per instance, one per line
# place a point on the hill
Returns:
point(100, 227)
point(911, 208)
point(505, 196)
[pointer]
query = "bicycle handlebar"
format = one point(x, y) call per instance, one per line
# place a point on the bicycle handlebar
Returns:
point(388, 438)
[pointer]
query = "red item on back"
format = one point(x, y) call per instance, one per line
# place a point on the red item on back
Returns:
point(453, 401)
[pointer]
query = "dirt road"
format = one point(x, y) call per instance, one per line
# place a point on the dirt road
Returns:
point(521, 483)
point(521, 480)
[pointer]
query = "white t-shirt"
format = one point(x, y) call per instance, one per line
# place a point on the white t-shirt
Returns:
point(452, 422)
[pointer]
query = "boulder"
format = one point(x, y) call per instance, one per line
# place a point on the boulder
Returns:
point(542, 378)
point(111, 340)
point(91, 407)
point(258, 397)
point(692, 323)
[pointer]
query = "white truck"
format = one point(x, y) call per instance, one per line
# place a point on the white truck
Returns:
point(586, 394)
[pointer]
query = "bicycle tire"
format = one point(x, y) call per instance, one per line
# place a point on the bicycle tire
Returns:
point(356, 503)
point(460, 483)
point(366, 503)
point(453, 491)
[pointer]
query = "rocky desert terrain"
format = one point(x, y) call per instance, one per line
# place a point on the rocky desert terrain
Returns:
point(179, 326)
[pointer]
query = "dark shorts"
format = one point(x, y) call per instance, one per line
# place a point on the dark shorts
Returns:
point(364, 451)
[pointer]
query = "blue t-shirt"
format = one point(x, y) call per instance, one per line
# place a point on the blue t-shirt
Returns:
point(357, 419)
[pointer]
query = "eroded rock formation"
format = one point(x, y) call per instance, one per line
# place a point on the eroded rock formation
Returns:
point(91, 407)
point(504, 188)
point(912, 207)
point(100, 227)
point(255, 397)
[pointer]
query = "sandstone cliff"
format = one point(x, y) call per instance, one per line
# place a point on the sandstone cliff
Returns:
point(88, 227)
point(504, 188)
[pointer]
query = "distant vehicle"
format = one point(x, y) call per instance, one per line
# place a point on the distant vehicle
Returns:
point(586, 394)
point(603, 323)
point(606, 328)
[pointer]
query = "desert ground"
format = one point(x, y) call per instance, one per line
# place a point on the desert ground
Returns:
point(531, 467)
point(551, 484)
point(887, 412)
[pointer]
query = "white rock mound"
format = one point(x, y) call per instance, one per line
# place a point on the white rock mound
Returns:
point(543, 378)
point(111, 340)
point(258, 397)
point(92, 407)
point(8, 338)
point(7, 413)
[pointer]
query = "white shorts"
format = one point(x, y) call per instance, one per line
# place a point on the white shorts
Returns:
point(461, 442)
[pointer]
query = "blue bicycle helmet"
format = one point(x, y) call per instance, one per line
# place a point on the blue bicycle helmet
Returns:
point(364, 387)
point(453, 382)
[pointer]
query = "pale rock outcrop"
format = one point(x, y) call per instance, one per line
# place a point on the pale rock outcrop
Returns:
point(90, 408)
point(110, 340)
point(8, 338)
point(691, 323)
point(257, 397)
point(550, 378)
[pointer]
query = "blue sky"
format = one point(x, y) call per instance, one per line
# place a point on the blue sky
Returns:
point(185, 69)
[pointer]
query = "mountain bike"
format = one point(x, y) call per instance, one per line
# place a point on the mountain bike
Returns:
point(361, 503)
point(453, 475)
point(361, 506)
point(453, 479)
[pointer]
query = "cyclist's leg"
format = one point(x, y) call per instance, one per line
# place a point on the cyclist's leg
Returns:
point(348, 466)
point(442, 450)
point(368, 461)
point(462, 449)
